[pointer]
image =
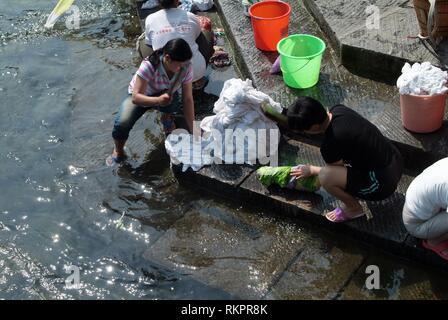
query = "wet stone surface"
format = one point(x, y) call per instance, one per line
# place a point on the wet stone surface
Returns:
point(311, 267)
point(222, 179)
point(415, 246)
point(320, 271)
point(61, 206)
point(375, 101)
point(242, 254)
point(397, 281)
point(385, 225)
point(369, 45)
point(290, 153)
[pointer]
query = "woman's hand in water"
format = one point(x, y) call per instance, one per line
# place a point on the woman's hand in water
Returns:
point(302, 171)
point(164, 99)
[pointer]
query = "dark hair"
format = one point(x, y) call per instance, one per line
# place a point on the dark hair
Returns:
point(167, 4)
point(178, 49)
point(304, 113)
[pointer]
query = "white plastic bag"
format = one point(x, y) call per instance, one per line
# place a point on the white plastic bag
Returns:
point(202, 5)
point(150, 4)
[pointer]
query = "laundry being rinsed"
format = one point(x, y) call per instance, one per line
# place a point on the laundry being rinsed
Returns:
point(281, 176)
point(239, 132)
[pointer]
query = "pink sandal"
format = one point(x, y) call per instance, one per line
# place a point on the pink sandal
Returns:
point(341, 216)
point(438, 248)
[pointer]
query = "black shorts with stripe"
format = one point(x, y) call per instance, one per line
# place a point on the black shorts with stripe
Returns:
point(378, 184)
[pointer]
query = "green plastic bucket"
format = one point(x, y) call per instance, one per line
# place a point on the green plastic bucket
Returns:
point(300, 58)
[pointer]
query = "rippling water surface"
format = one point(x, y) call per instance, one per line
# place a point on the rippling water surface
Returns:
point(60, 206)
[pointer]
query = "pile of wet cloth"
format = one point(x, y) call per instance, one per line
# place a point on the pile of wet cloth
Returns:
point(239, 132)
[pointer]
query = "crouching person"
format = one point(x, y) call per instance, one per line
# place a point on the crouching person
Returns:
point(425, 211)
point(156, 85)
point(360, 161)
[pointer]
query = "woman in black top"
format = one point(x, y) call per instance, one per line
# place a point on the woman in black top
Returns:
point(360, 161)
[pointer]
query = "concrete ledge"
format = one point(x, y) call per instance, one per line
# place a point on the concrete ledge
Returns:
point(385, 231)
point(375, 101)
point(377, 54)
point(239, 183)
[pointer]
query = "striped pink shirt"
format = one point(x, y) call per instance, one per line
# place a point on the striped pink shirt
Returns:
point(157, 78)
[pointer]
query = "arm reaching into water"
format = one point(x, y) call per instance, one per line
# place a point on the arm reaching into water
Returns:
point(275, 116)
point(305, 171)
point(188, 103)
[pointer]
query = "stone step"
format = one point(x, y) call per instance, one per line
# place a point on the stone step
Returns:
point(234, 251)
point(374, 40)
point(240, 183)
point(376, 101)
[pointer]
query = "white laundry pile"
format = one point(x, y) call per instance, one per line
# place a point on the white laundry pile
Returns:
point(202, 5)
point(422, 79)
point(187, 5)
point(238, 112)
point(196, 5)
point(150, 4)
point(238, 133)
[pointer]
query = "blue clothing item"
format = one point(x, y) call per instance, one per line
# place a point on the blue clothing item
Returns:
point(129, 113)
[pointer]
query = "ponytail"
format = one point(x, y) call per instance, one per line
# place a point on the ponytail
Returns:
point(154, 58)
point(178, 50)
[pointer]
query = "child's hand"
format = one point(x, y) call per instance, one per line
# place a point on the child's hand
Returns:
point(164, 99)
point(301, 171)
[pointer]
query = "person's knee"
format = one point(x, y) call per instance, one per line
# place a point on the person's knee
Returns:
point(411, 228)
point(122, 126)
point(421, 231)
point(325, 177)
point(333, 176)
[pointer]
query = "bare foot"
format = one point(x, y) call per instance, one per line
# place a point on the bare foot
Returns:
point(116, 154)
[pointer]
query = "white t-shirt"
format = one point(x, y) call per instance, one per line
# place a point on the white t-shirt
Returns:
point(427, 195)
point(167, 24)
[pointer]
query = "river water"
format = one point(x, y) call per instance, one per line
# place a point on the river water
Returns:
point(61, 207)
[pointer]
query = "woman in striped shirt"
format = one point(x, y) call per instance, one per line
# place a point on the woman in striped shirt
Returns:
point(155, 85)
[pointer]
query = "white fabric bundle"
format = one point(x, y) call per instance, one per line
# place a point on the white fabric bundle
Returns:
point(194, 153)
point(238, 133)
point(238, 110)
point(422, 79)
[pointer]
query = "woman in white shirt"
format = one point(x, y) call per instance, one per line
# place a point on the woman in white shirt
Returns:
point(171, 22)
point(425, 213)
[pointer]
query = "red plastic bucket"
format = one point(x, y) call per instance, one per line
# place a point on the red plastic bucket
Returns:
point(422, 114)
point(270, 21)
